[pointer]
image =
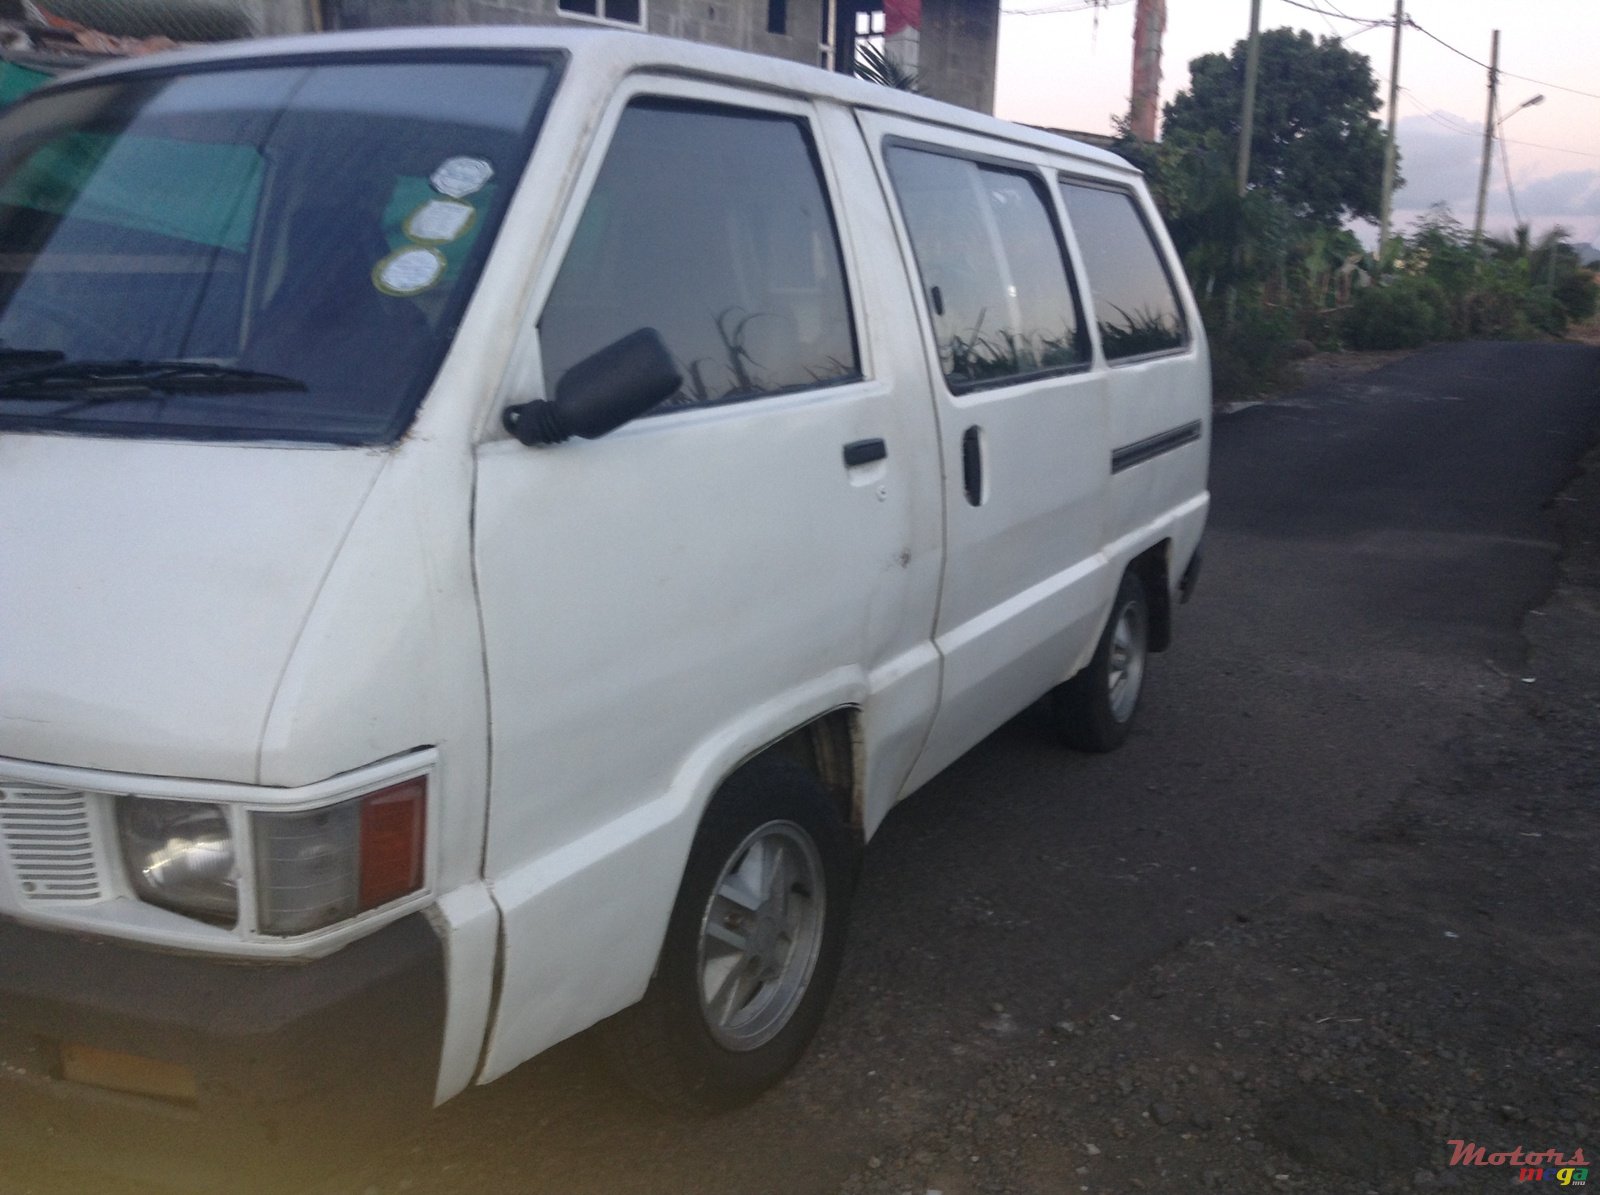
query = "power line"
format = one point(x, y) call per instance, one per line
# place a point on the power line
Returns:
point(1367, 24)
point(1560, 149)
point(1324, 13)
point(1508, 74)
point(1374, 23)
point(1448, 120)
point(1326, 18)
point(1065, 6)
point(1593, 95)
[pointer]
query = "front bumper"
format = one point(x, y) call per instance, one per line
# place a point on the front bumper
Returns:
point(278, 1060)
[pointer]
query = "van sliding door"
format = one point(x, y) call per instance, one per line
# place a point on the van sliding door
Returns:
point(1022, 422)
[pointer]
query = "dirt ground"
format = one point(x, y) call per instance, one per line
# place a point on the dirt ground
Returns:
point(1586, 333)
point(1439, 983)
point(1323, 368)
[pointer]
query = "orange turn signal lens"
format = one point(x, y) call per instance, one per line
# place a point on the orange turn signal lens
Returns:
point(393, 836)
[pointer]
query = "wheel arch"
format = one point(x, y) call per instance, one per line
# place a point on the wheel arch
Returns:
point(829, 747)
point(1153, 567)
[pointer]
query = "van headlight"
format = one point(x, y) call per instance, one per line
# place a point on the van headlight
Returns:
point(307, 868)
point(179, 855)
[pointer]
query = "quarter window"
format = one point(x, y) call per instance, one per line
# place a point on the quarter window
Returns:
point(1135, 304)
point(992, 267)
point(710, 225)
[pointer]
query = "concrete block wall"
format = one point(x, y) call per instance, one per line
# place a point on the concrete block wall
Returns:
point(956, 55)
point(956, 51)
point(740, 24)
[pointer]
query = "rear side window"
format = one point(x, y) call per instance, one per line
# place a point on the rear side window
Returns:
point(1135, 304)
point(710, 225)
point(996, 280)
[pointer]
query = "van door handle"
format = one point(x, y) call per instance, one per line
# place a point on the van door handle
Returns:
point(972, 466)
point(864, 452)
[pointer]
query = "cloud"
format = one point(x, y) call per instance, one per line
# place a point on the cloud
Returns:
point(1441, 164)
point(1570, 193)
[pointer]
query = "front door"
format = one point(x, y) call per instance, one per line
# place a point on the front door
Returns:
point(659, 600)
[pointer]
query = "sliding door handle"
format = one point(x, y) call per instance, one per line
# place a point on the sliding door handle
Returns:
point(972, 465)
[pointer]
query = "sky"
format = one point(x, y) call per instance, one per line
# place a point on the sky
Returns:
point(1069, 68)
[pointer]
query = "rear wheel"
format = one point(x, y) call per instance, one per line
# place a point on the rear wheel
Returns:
point(1095, 709)
point(752, 947)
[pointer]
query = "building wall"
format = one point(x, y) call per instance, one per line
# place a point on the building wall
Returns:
point(741, 24)
point(956, 49)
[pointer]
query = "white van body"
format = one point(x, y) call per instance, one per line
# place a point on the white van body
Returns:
point(572, 646)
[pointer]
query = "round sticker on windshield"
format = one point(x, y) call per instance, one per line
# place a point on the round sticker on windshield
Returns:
point(439, 221)
point(460, 177)
point(408, 271)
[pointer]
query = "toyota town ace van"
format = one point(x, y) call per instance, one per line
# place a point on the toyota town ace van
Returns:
point(491, 521)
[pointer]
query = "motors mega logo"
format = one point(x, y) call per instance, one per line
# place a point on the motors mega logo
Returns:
point(1533, 1165)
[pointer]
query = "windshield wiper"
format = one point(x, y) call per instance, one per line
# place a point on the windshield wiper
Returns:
point(109, 380)
point(22, 357)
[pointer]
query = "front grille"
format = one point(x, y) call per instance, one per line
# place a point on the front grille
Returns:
point(49, 844)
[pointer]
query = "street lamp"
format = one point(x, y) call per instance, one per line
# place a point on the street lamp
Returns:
point(1527, 103)
point(1488, 148)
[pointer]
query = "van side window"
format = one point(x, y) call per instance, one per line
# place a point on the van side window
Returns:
point(992, 267)
point(1134, 300)
point(709, 224)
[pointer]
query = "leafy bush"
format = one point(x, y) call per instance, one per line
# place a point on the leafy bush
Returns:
point(1406, 313)
point(1498, 306)
point(1579, 295)
point(1248, 356)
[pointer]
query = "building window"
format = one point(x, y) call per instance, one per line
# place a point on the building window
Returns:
point(619, 12)
point(777, 16)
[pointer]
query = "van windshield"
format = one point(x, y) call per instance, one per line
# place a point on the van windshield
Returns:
point(258, 252)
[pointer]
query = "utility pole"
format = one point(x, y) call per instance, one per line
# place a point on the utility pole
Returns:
point(1148, 26)
point(1488, 138)
point(1247, 115)
point(1386, 204)
point(1247, 130)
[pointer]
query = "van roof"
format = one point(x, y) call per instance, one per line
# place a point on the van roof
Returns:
point(618, 52)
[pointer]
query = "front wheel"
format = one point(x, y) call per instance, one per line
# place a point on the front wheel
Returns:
point(752, 947)
point(1095, 709)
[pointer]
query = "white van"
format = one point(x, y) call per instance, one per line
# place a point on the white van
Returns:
point(492, 520)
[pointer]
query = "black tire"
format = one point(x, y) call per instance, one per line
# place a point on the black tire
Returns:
point(672, 1048)
point(1096, 708)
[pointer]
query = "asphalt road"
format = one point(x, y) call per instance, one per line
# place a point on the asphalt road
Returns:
point(1373, 548)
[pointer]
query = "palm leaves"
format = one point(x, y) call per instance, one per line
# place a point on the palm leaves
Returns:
point(875, 64)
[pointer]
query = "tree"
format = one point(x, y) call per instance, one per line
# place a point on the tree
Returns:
point(1317, 144)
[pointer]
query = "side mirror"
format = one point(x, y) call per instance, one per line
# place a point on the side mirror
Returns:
point(600, 393)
